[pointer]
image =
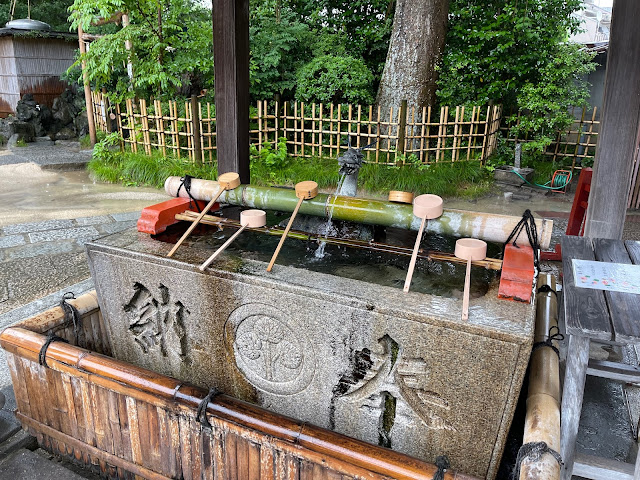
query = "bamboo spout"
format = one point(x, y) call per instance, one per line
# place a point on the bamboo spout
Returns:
point(457, 223)
point(542, 421)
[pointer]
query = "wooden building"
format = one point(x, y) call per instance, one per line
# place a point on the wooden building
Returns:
point(32, 62)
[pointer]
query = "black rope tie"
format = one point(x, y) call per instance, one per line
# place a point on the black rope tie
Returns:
point(547, 289)
point(71, 314)
point(186, 183)
point(443, 464)
point(527, 223)
point(201, 413)
point(42, 356)
point(557, 336)
point(533, 451)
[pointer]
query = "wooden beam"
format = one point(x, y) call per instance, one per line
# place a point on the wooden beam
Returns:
point(231, 61)
point(619, 128)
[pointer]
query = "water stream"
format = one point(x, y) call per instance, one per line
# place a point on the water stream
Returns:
point(320, 250)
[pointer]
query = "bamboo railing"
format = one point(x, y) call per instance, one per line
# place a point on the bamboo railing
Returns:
point(398, 136)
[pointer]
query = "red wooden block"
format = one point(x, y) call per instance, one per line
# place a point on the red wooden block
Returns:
point(156, 218)
point(516, 280)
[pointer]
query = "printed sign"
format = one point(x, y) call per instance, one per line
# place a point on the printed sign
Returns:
point(617, 277)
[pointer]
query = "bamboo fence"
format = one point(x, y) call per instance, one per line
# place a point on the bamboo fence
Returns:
point(577, 142)
point(398, 136)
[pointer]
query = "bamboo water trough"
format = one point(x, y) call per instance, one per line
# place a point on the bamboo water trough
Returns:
point(127, 422)
point(457, 223)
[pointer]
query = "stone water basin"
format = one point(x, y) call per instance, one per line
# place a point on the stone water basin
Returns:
point(323, 343)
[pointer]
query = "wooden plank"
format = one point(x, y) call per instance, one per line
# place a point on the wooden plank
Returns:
point(599, 468)
point(623, 307)
point(572, 393)
point(633, 249)
point(620, 372)
point(585, 310)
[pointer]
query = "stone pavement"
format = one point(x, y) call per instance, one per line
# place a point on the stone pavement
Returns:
point(48, 154)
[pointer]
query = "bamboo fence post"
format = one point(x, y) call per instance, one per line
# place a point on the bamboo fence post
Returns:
point(188, 123)
point(369, 131)
point(402, 128)
point(378, 137)
point(119, 124)
point(160, 127)
point(174, 127)
point(277, 120)
point(454, 145)
point(321, 129)
point(331, 130)
point(412, 127)
point(473, 115)
point(284, 121)
point(338, 140)
point(313, 129)
point(145, 126)
point(259, 125)
point(358, 126)
point(295, 129)
point(197, 138)
point(390, 135)
point(349, 125)
point(132, 127)
point(302, 130)
point(486, 131)
point(440, 123)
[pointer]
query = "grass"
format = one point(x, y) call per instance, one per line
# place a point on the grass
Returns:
point(463, 179)
point(21, 142)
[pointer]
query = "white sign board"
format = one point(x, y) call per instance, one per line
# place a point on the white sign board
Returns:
point(618, 277)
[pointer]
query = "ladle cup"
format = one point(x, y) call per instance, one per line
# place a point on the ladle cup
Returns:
point(304, 191)
point(426, 207)
point(469, 249)
point(248, 219)
point(226, 181)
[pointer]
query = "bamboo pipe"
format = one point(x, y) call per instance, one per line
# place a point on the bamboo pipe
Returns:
point(488, 263)
point(457, 223)
point(304, 191)
point(542, 421)
point(226, 181)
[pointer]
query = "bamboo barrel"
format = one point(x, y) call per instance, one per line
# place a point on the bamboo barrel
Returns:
point(457, 223)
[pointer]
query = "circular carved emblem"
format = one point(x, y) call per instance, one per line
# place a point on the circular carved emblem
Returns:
point(268, 351)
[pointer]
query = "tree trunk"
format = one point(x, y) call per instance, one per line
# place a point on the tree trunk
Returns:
point(417, 41)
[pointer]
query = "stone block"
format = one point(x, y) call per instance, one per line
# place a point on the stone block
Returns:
point(25, 131)
point(11, 241)
point(78, 233)
point(37, 226)
point(368, 361)
point(28, 465)
point(506, 174)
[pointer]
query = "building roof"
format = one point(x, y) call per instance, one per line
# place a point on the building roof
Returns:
point(15, 32)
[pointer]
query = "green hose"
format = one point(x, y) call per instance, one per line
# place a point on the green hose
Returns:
point(556, 185)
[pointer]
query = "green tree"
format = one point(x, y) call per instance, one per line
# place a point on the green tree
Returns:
point(278, 42)
point(171, 46)
point(516, 53)
point(335, 79)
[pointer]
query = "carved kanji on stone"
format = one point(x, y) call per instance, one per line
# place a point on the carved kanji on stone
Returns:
point(157, 323)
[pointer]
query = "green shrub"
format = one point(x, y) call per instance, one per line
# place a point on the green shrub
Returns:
point(332, 79)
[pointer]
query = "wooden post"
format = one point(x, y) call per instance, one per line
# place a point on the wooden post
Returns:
point(231, 54)
point(87, 91)
point(619, 128)
point(195, 119)
point(128, 46)
point(402, 126)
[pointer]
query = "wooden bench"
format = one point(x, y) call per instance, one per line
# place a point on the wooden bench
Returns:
point(604, 317)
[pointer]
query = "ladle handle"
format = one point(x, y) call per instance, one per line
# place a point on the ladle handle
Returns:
point(284, 235)
point(465, 295)
point(224, 246)
point(414, 256)
point(195, 223)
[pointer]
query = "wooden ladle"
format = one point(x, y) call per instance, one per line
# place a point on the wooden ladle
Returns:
point(425, 207)
point(469, 249)
point(304, 191)
point(248, 219)
point(226, 181)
